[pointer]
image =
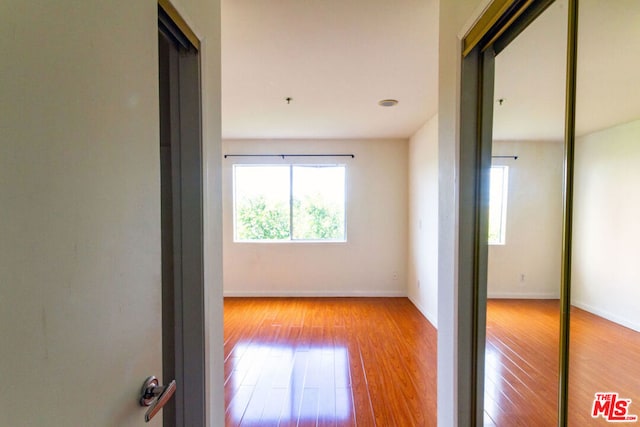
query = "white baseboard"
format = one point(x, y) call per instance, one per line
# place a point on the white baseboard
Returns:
point(381, 294)
point(425, 313)
point(607, 315)
point(522, 295)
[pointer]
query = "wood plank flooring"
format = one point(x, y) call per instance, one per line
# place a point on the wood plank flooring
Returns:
point(604, 357)
point(521, 363)
point(521, 373)
point(329, 361)
point(372, 362)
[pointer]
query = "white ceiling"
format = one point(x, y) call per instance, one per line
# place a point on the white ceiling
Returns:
point(530, 72)
point(336, 59)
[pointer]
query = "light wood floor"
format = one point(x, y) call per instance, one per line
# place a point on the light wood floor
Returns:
point(372, 362)
point(521, 384)
point(329, 361)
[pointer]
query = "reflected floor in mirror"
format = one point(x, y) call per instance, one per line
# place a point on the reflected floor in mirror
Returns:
point(522, 363)
point(328, 361)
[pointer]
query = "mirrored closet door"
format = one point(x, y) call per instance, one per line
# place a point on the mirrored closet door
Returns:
point(585, 370)
point(525, 225)
point(604, 363)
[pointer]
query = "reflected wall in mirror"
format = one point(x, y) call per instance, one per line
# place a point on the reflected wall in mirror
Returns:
point(523, 283)
point(605, 316)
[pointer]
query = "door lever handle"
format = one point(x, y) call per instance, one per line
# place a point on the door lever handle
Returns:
point(155, 396)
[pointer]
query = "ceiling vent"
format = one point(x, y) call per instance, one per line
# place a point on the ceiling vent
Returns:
point(388, 103)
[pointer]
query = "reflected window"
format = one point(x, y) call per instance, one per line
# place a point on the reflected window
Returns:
point(499, 184)
point(289, 384)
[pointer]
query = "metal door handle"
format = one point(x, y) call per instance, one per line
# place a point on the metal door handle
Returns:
point(155, 396)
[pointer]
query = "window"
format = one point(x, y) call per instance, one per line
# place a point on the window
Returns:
point(289, 202)
point(499, 183)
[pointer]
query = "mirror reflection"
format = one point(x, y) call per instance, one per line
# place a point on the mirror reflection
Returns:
point(605, 318)
point(525, 225)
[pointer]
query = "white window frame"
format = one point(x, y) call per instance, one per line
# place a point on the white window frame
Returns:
point(291, 239)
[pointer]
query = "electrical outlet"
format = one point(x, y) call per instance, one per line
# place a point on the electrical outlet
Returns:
point(418, 284)
point(395, 275)
point(521, 277)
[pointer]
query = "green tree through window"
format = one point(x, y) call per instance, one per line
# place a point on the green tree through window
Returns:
point(257, 221)
point(292, 202)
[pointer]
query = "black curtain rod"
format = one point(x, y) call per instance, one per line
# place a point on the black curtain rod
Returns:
point(290, 155)
point(505, 157)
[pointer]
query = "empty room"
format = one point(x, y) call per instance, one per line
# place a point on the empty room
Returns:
point(319, 212)
point(322, 103)
point(330, 218)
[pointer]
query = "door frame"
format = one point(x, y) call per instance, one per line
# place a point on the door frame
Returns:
point(184, 297)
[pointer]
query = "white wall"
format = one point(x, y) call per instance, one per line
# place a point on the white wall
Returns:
point(422, 267)
point(376, 246)
point(528, 264)
point(79, 195)
point(606, 253)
